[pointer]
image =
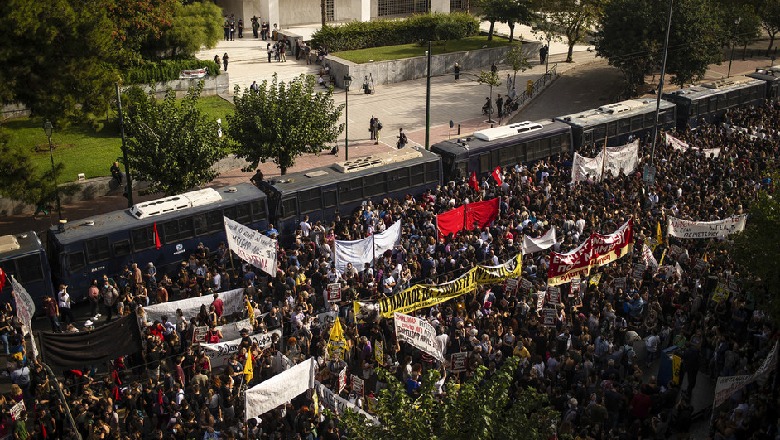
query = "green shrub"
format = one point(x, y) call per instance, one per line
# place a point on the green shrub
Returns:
point(167, 70)
point(421, 27)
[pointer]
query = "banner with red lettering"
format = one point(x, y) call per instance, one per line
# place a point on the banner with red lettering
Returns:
point(451, 222)
point(596, 251)
point(481, 213)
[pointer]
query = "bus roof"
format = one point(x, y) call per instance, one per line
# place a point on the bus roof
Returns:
point(364, 166)
point(12, 246)
point(694, 93)
point(612, 112)
point(466, 145)
point(123, 219)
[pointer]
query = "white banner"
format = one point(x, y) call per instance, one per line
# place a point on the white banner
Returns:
point(251, 246)
point(714, 229)
point(233, 300)
point(612, 159)
point(582, 167)
point(25, 309)
point(676, 143)
point(683, 146)
point(233, 330)
point(531, 245)
point(220, 353)
point(728, 385)
point(279, 389)
point(360, 252)
point(340, 405)
point(648, 257)
point(418, 333)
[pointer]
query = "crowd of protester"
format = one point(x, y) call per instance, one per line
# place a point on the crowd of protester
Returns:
point(598, 362)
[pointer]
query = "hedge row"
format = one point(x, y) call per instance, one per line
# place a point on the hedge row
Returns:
point(422, 27)
point(167, 70)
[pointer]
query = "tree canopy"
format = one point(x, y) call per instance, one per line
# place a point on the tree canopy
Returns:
point(488, 406)
point(19, 178)
point(282, 121)
point(769, 11)
point(632, 33)
point(755, 249)
point(172, 145)
point(575, 19)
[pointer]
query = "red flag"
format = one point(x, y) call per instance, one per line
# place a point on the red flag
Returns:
point(481, 214)
point(497, 176)
point(157, 242)
point(2, 278)
point(451, 222)
point(473, 182)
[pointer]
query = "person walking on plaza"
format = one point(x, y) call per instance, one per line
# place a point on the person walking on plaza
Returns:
point(457, 71)
point(374, 126)
point(500, 105)
point(225, 61)
point(240, 28)
point(255, 26)
point(543, 51)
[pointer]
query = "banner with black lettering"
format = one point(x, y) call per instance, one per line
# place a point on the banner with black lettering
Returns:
point(418, 333)
point(426, 295)
point(220, 353)
point(232, 299)
point(340, 405)
point(25, 309)
point(251, 246)
point(714, 229)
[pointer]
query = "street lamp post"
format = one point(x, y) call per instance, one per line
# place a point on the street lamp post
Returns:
point(731, 57)
point(347, 82)
point(428, 99)
point(48, 128)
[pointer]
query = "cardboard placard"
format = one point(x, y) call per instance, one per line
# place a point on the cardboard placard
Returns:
point(459, 361)
point(511, 285)
point(553, 295)
point(526, 285)
point(342, 380)
point(199, 334)
point(357, 386)
point(333, 292)
point(549, 316)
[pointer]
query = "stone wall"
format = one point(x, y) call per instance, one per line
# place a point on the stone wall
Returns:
point(389, 72)
point(213, 85)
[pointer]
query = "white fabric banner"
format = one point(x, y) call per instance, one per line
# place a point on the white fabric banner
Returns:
point(233, 299)
point(360, 252)
point(728, 385)
point(676, 143)
point(418, 333)
point(625, 158)
point(531, 245)
point(679, 145)
point(582, 167)
point(279, 389)
point(220, 353)
point(339, 404)
point(648, 257)
point(612, 159)
point(25, 309)
point(251, 246)
point(715, 229)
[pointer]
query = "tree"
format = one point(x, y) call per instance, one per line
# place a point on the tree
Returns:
point(193, 27)
point(282, 120)
point(573, 18)
point(769, 12)
point(58, 56)
point(172, 146)
point(491, 12)
point(755, 250)
point(632, 35)
point(491, 79)
point(485, 407)
point(323, 13)
point(517, 59)
point(513, 12)
point(740, 23)
point(138, 25)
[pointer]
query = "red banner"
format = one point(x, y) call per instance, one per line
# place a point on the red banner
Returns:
point(596, 251)
point(481, 213)
point(451, 222)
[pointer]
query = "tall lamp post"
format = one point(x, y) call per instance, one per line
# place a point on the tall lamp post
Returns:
point(48, 128)
point(347, 82)
point(428, 99)
point(731, 57)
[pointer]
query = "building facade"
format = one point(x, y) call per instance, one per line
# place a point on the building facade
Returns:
point(288, 13)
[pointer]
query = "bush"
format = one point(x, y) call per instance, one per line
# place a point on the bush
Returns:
point(167, 70)
point(421, 27)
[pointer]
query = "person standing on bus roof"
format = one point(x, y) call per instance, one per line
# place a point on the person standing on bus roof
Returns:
point(63, 301)
point(52, 312)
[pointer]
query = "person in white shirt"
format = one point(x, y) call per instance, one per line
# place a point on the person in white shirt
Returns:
point(63, 301)
point(388, 284)
point(216, 278)
point(305, 226)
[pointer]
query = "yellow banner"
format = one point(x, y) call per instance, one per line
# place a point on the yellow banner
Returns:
point(421, 296)
point(337, 344)
point(676, 364)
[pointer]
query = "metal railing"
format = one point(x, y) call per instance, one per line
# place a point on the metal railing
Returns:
point(539, 84)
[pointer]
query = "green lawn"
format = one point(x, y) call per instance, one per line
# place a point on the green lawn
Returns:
point(82, 149)
point(385, 53)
